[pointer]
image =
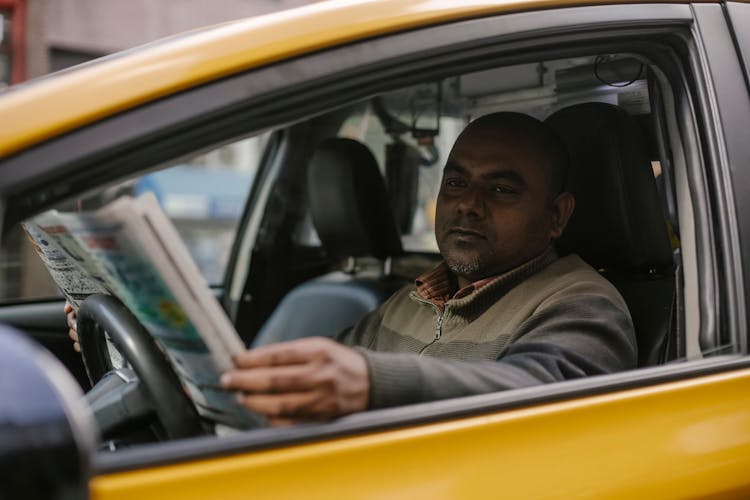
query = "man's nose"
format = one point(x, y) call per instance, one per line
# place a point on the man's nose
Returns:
point(471, 203)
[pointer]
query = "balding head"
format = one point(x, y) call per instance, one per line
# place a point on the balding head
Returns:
point(537, 140)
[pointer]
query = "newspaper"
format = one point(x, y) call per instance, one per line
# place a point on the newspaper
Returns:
point(131, 250)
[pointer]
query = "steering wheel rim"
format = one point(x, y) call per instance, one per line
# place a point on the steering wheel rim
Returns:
point(99, 313)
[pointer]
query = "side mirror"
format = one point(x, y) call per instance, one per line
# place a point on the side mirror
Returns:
point(47, 435)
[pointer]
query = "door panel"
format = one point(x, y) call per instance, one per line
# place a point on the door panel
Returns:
point(685, 439)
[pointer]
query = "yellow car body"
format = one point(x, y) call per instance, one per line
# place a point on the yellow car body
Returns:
point(186, 61)
point(623, 445)
point(673, 431)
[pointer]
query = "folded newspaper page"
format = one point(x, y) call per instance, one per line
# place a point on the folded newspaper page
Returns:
point(130, 249)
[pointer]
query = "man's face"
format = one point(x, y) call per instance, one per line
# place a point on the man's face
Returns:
point(494, 210)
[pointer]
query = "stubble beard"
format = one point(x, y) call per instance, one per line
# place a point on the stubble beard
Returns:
point(462, 259)
point(464, 267)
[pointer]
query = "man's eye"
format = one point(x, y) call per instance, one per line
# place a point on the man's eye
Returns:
point(454, 183)
point(503, 190)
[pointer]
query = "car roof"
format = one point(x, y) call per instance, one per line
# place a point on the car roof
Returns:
point(72, 98)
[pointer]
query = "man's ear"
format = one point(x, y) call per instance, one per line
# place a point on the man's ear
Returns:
point(562, 209)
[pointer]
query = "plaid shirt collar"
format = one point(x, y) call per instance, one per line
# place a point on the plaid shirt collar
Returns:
point(440, 284)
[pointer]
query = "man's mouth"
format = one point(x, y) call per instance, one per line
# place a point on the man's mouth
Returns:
point(466, 232)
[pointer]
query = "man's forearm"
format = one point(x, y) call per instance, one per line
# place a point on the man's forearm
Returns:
point(406, 378)
point(400, 378)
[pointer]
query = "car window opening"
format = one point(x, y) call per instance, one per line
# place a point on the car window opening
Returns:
point(410, 132)
point(607, 110)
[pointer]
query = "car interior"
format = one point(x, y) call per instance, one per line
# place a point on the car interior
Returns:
point(340, 212)
point(622, 224)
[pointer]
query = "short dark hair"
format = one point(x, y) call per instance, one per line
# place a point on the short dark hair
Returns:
point(538, 136)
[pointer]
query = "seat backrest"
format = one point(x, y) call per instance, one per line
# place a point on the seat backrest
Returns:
point(351, 213)
point(618, 225)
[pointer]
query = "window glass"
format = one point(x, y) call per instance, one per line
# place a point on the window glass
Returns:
point(427, 119)
point(424, 155)
point(411, 131)
point(203, 196)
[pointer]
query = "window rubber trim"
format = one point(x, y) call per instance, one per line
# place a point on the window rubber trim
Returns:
point(724, 105)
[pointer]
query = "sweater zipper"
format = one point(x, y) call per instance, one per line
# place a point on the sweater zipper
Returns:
point(438, 323)
point(439, 327)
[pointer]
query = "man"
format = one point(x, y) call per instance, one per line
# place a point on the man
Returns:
point(502, 311)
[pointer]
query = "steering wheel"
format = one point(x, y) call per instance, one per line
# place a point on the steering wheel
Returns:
point(157, 386)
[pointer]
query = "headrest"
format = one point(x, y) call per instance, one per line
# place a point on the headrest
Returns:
point(618, 222)
point(349, 203)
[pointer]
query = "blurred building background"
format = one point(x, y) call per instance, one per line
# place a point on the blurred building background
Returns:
point(40, 36)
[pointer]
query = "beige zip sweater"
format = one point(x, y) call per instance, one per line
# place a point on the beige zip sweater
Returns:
point(548, 320)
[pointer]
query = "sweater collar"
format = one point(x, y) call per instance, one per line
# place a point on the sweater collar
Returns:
point(440, 285)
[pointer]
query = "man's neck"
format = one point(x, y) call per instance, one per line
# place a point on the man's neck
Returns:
point(441, 284)
point(464, 281)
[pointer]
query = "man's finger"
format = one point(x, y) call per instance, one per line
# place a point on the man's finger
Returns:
point(285, 353)
point(274, 379)
point(286, 422)
point(294, 405)
point(71, 318)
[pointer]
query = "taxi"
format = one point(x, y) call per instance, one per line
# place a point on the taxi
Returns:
point(653, 103)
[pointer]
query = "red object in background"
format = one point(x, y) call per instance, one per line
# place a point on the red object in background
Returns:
point(17, 10)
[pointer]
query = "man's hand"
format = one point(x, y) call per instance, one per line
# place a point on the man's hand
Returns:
point(71, 317)
point(299, 381)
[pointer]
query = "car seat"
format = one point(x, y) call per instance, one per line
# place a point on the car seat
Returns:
point(618, 225)
point(352, 216)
